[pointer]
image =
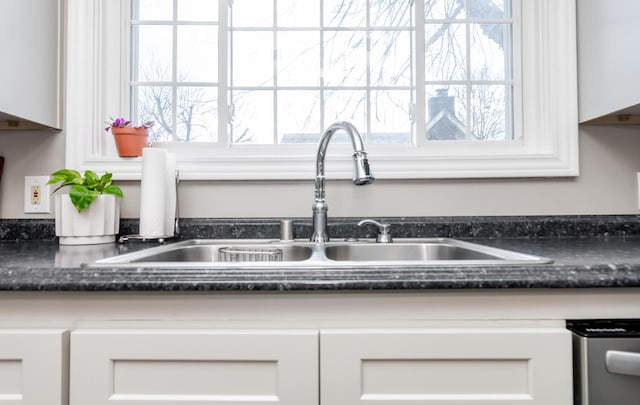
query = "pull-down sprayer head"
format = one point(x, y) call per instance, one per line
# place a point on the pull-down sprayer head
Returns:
point(361, 171)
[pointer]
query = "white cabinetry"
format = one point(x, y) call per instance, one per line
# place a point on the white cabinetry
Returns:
point(454, 366)
point(608, 61)
point(33, 367)
point(171, 367)
point(30, 72)
point(328, 366)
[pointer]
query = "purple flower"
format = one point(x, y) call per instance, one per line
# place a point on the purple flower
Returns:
point(121, 123)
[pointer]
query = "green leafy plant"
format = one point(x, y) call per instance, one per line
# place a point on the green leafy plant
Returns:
point(84, 189)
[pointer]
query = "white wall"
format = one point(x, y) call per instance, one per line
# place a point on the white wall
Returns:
point(609, 160)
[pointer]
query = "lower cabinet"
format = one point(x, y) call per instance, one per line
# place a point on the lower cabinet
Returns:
point(456, 366)
point(446, 366)
point(171, 367)
point(33, 366)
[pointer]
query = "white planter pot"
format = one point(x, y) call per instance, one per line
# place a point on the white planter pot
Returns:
point(98, 223)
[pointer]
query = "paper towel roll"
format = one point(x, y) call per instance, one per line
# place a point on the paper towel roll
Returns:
point(157, 193)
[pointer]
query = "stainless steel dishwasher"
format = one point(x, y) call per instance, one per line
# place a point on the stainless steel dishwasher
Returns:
point(606, 357)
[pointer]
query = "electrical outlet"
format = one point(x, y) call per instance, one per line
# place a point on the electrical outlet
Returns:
point(35, 192)
point(36, 195)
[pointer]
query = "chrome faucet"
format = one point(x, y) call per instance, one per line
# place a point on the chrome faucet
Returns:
point(361, 175)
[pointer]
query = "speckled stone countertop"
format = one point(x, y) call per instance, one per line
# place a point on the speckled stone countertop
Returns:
point(588, 252)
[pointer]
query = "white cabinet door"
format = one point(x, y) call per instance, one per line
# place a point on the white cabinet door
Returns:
point(30, 72)
point(446, 366)
point(172, 367)
point(608, 68)
point(33, 367)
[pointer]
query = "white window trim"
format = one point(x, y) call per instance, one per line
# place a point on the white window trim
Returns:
point(550, 113)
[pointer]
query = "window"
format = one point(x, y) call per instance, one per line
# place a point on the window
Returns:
point(470, 69)
point(174, 68)
point(438, 88)
point(334, 60)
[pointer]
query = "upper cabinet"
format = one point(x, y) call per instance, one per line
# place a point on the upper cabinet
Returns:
point(30, 72)
point(609, 61)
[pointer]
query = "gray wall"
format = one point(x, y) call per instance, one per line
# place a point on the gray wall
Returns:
point(609, 161)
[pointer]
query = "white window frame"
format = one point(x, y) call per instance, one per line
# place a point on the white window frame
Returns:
point(97, 89)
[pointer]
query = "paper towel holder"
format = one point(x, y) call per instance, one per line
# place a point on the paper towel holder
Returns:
point(160, 239)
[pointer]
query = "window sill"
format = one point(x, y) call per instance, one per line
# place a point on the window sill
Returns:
point(400, 164)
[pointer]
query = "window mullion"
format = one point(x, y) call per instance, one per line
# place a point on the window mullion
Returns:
point(468, 88)
point(420, 108)
point(129, 54)
point(321, 79)
point(275, 72)
point(174, 74)
point(368, 95)
point(516, 69)
point(224, 75)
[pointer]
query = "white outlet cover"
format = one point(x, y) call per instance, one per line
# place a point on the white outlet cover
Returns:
point(45, 195)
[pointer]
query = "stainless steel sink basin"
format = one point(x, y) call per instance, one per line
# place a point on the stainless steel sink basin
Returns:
point(299, 254)
point(434, 251)
point(212, 252)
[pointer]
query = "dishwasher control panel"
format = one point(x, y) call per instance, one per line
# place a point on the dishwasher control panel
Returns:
point(606, 328)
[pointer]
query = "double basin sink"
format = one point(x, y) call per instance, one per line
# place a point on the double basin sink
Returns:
point(247, 253)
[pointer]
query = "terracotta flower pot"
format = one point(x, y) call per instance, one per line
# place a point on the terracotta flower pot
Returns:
point(130, 141)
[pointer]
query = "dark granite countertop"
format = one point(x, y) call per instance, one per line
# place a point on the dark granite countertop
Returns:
point(578, 263)
point(588, 252)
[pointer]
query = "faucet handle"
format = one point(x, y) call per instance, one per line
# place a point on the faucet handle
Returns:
point(384, 235)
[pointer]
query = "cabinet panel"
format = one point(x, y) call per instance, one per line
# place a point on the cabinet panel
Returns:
point(194, 366)
point(445, 378)
point(456, 366)
point(33, 367)
point(198, 378)
point(10, 378)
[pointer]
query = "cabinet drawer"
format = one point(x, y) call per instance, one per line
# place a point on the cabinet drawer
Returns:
point(194, 366)
point(452, 366)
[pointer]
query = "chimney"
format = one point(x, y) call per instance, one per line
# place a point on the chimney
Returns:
point(441, 102)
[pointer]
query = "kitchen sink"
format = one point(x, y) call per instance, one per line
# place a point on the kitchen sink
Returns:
point(235, 253)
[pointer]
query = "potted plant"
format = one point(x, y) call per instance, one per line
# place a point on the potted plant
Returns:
point(90, 213)
point(129, 138)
